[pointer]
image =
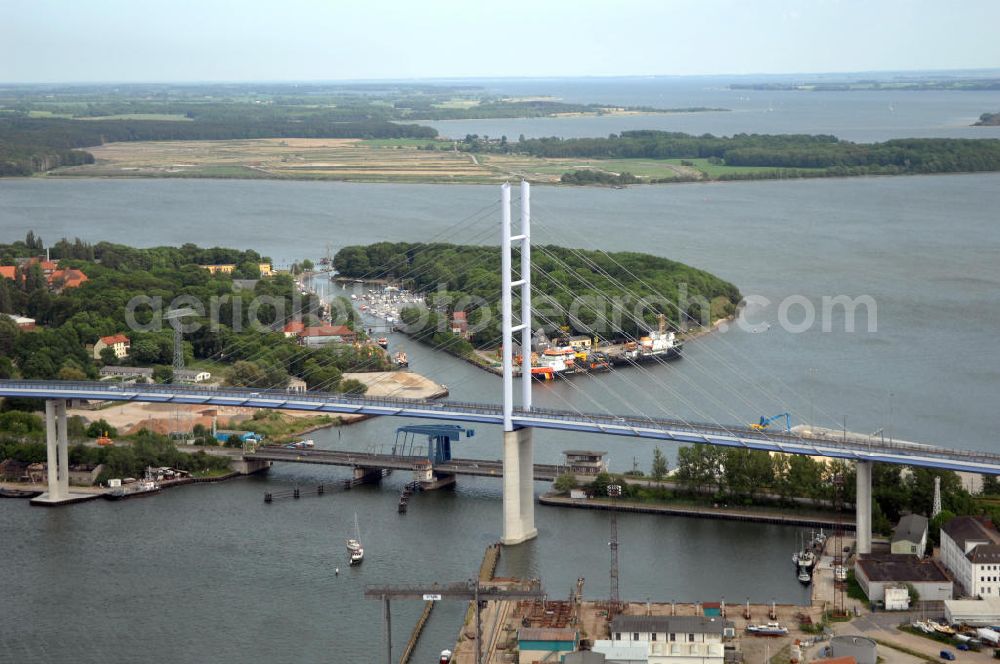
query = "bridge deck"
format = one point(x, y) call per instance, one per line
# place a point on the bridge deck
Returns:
point(478, 467)
point(854, 448)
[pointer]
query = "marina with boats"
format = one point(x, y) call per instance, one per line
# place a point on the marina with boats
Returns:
point(562, 355)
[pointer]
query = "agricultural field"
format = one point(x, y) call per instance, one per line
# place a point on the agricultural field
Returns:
point(375, 160)
point(294, 158)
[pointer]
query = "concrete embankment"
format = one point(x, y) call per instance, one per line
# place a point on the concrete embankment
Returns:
point(816, 520)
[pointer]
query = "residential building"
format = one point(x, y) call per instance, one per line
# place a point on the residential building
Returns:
point(126, 373)
point(460, 324)
point(585, 462)
point(876, 572)
point(22, 322)
point(220, 268)
point(293, 328)
point(319, 335)
point(910, 535)
point(970, 548)
point(538, 644)
point(60, 280)
point(265, 269)
point(119, 343)
point(673, 639)
point(191, 375)
point(8, 271)
point(296, 385)
point(581, 342)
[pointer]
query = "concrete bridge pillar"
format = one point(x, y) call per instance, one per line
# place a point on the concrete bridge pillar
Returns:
point(57, 449)
point(518, 487)
point(863, 507)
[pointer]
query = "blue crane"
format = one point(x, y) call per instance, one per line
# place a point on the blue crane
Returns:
point(766, 421)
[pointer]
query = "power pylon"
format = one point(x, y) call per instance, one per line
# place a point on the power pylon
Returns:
point(614, 603)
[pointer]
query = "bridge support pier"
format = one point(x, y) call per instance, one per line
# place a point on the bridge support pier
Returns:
point(57, 457)
point(518, 487)
point(863, 507)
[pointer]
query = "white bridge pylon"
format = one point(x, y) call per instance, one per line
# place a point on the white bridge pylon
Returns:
point(518, 454)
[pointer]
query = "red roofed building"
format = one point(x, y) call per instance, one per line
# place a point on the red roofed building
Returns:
point(62, 279)
point(294, 328)
point(322, 334)
point(118, 342)
point(8, 271)
point(459, 324)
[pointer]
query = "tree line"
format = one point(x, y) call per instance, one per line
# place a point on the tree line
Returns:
point(833, 156)
point(746, 477)
point(457, 276)
point(71, 319)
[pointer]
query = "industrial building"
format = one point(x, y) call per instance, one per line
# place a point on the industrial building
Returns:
point(673, 639)
point(545, 644)
point(875, 573)
point(976, 612)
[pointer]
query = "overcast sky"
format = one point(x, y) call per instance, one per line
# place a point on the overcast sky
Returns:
point(221, 40)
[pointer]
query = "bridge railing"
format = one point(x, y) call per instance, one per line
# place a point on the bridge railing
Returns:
point(599, 420)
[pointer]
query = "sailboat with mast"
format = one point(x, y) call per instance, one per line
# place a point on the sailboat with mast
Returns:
point(354, 548)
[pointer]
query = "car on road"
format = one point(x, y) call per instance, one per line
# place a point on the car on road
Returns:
point(948, 655)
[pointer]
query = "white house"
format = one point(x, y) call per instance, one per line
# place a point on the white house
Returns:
point(970, 548)
point(117, 342)
point(910, 535)
point(191, 375)
point(673, 639)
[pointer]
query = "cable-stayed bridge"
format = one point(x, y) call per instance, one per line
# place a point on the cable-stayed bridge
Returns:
point(518, 420)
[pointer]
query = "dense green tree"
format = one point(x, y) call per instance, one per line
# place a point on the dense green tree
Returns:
point(660, 466)
point(565, 483)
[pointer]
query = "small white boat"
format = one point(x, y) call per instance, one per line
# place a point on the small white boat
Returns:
point(445, 657)
point(354, 548)
point(804, 576)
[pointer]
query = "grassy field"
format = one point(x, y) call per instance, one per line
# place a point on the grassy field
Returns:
point(377, 160)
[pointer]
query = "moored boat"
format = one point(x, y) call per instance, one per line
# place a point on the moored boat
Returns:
point(354, 548)
point(383, 342)
point(445, 657)
point(767, 629)
point(18, 493)
point(147, 486)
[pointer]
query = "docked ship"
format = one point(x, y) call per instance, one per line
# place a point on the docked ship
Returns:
point(658, 345)
point(147, 486)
